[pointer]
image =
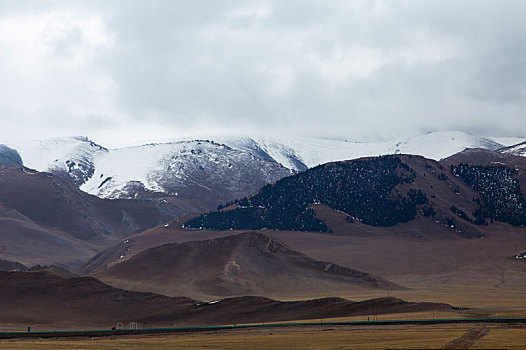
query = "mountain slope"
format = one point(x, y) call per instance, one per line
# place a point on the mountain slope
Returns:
point(516, 150)
point(361, 188)
point(497, 177)
point(45, 219)
point(192, 175)
point(72, 157)
point(380, 191)
point(491, 158)
point(370, 190)
point(41, 298)
point(190, 170)
point(245, 264)
point(9, 157)
point(45, 300)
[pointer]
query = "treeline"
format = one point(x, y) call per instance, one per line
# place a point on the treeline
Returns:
point(499, 190)
point(362, 188)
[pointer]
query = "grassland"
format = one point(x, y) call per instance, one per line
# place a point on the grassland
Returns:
point(319, 337)
point(503, 339)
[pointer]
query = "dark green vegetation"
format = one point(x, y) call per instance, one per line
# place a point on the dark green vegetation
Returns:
point(499, 190)
point(364, 189)
point(381, 191)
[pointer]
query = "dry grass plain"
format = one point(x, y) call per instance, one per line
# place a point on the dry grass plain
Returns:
point(479, 274)
point(322, 337)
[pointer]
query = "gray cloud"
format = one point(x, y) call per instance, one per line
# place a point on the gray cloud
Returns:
point(120, 71)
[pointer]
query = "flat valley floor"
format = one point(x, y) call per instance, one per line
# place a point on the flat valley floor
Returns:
point(480, 276)
point(463, 336)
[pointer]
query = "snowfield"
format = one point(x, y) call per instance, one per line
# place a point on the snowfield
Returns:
point(311, 152)
point(174, 168)
point(72, 155)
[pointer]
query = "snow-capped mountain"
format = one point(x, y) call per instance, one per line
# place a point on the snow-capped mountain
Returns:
point(206, 171)
point(220, 168)
point(516, 150)
point(281, 151)
point(71, 156)
point(188, 169)
point(302, 153)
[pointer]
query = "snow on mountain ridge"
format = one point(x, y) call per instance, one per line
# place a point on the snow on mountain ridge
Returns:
point(516, 150)
point(184, 168)
point(440, 145)
point(297, 153)
point(204, 164)
point(153, 169)
point(508, 141)
point(73, 156)
point(267, 149)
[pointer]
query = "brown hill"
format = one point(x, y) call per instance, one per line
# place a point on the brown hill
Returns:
point(479, 156)
point(169, 232)
point(42, 298)
point(434, 261)
point(246, 264)
point(258, 309)
point(47, 220)
point(45, 300)
point(52, 270)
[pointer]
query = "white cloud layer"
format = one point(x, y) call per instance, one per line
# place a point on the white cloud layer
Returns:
point(124, 72)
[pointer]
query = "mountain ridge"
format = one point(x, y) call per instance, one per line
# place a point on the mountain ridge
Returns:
point(108, 173)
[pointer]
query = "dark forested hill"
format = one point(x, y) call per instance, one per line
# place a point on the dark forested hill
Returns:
point(381, 191)
point(361, 188)
point(499, 190)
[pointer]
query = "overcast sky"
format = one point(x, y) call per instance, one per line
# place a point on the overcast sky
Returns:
point(124, 72)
